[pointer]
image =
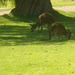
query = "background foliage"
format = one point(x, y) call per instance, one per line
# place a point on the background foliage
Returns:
point(7, 3)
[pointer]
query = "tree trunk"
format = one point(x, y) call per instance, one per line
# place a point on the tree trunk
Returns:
point(32, 6)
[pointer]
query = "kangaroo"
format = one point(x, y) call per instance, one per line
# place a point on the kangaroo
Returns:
point(58, 28)
point(45, 19)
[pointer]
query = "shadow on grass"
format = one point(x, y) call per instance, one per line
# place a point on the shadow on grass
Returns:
point(69, 22)
point(21, 18)
point(62, 18)
point(21, 35)
point(14, 35)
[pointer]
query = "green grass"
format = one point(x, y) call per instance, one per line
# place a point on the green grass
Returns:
point(26, 53)
point(56, 3)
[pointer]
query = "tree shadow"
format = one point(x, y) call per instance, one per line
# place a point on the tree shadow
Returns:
point(33, 18)
point(12, 35)
point(62, 18)
point(21, 35)
point(18, 35)
point(21, 18)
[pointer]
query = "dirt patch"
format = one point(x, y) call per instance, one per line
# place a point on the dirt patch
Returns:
point(65, 8)
point(4, 12)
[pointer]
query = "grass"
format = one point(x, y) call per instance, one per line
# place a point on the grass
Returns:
point(56, 3)
point(52, 59)
point(26, 53)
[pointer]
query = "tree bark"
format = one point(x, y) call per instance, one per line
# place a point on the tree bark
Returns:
point(32, 6)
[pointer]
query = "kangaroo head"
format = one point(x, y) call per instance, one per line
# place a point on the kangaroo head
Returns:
point(69, 34)
point(33, 26)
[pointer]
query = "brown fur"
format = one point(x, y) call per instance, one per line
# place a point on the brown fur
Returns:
point(45, 19)
point(59, 29)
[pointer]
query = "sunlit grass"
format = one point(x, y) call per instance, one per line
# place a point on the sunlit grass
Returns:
point(54, 59)
point(26, 53)
point(56, 3)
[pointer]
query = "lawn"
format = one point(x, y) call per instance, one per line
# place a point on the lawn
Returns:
point(56, 3)
point(25, 53)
